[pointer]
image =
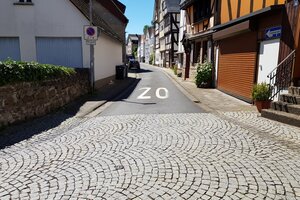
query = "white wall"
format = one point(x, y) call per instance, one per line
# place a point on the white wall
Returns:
point(181, 29)
point(108, 54)
point(46, 18)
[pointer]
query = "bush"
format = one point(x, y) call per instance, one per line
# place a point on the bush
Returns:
point(204, 74)
point(175, 68)
point(151, 59)
point(19, 71)
point(261, 92)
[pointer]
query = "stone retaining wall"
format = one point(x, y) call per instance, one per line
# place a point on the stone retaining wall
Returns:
point(22, 101)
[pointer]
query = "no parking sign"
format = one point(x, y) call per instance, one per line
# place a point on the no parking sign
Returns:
point(90, 34)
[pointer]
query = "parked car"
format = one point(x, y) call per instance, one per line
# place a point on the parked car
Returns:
point(132, 63)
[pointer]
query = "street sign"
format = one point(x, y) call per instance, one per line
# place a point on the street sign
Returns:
point(273, 33)
point(90, 34)
point(90, 42)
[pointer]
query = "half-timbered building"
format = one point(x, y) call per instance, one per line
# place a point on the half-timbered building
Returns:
point(199, 21)
point(252, 38)
point(166, 20)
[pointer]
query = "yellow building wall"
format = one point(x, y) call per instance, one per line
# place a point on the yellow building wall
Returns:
point(231, 10)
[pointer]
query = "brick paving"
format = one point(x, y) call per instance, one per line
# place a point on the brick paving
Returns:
point(233, 155)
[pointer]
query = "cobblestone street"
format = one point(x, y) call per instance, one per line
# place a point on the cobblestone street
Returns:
point(235, 155)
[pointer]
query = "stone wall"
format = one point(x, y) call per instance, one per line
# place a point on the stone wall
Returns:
point(23, 101)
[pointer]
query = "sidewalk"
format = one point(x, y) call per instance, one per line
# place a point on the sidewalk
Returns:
point(69, 116)
point(211, 100)
point(89, 103)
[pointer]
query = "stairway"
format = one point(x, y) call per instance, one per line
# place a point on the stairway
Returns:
point(287, 109)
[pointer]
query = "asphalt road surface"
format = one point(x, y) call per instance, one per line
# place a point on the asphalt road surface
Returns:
point(155, 93)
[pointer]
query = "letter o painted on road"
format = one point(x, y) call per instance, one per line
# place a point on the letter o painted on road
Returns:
point(165, 91)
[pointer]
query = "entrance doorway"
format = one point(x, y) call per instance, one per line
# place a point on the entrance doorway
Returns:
point(268, 59)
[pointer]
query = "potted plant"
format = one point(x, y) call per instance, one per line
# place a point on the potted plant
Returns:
point(204, 75)
point(261, 94)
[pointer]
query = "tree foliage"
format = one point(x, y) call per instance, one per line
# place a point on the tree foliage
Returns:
point(146, 27)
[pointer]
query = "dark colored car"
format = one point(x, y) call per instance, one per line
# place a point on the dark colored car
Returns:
point(132, 63)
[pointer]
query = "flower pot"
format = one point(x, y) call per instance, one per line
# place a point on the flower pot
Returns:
point(265, 104)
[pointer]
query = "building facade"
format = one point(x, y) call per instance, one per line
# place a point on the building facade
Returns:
point(141, 48)
point(149, 45)
point(31, 32)
point(132, 44)
point(166, 21)
point(261, 33)
point(245, 40)
point(199, 20)
point(182, 32)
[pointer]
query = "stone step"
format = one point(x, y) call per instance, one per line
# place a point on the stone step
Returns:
point(283, 117)
point(294, 90)
point(289, 98)
point(286, 107)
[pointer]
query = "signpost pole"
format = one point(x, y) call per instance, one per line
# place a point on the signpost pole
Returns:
point(92, 70)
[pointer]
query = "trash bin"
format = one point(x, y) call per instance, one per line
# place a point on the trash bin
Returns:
point(126, 71)
point(120, 72)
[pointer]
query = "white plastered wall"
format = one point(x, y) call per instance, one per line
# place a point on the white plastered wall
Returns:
point(46, 18)
point(108, 54)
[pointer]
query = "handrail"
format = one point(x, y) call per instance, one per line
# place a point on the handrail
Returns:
point(280, 78)
point(281, 63)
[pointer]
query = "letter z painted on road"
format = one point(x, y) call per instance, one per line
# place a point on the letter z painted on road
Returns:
point(142, 96)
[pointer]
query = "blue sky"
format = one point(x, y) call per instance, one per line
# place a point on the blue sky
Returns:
point(139, 13)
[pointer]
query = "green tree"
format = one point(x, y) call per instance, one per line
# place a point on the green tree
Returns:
point(146, 27)
point(134, 52)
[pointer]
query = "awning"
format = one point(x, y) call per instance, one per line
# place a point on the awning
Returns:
point(201, 35)
point(233, 30)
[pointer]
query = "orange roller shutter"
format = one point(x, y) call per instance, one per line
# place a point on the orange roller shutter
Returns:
point(237, 64)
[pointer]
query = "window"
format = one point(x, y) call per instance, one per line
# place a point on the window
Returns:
point(163, 5)
point(60, 51)
point(9, 48)
point(24, 2)
point(161, 27)
point(168, 39)
point(167, 21)
point(202, 10)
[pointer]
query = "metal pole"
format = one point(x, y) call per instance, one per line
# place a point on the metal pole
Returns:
point(92, 70)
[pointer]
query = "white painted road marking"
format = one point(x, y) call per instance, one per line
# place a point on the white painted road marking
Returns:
point(165, 91)
point(142, 96)
point(157, 93)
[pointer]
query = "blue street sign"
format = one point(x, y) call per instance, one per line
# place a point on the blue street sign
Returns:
point(272, 33)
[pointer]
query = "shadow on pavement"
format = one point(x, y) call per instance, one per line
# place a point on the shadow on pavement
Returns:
point(138, 103)
point(139, 71)
point(23, 131)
